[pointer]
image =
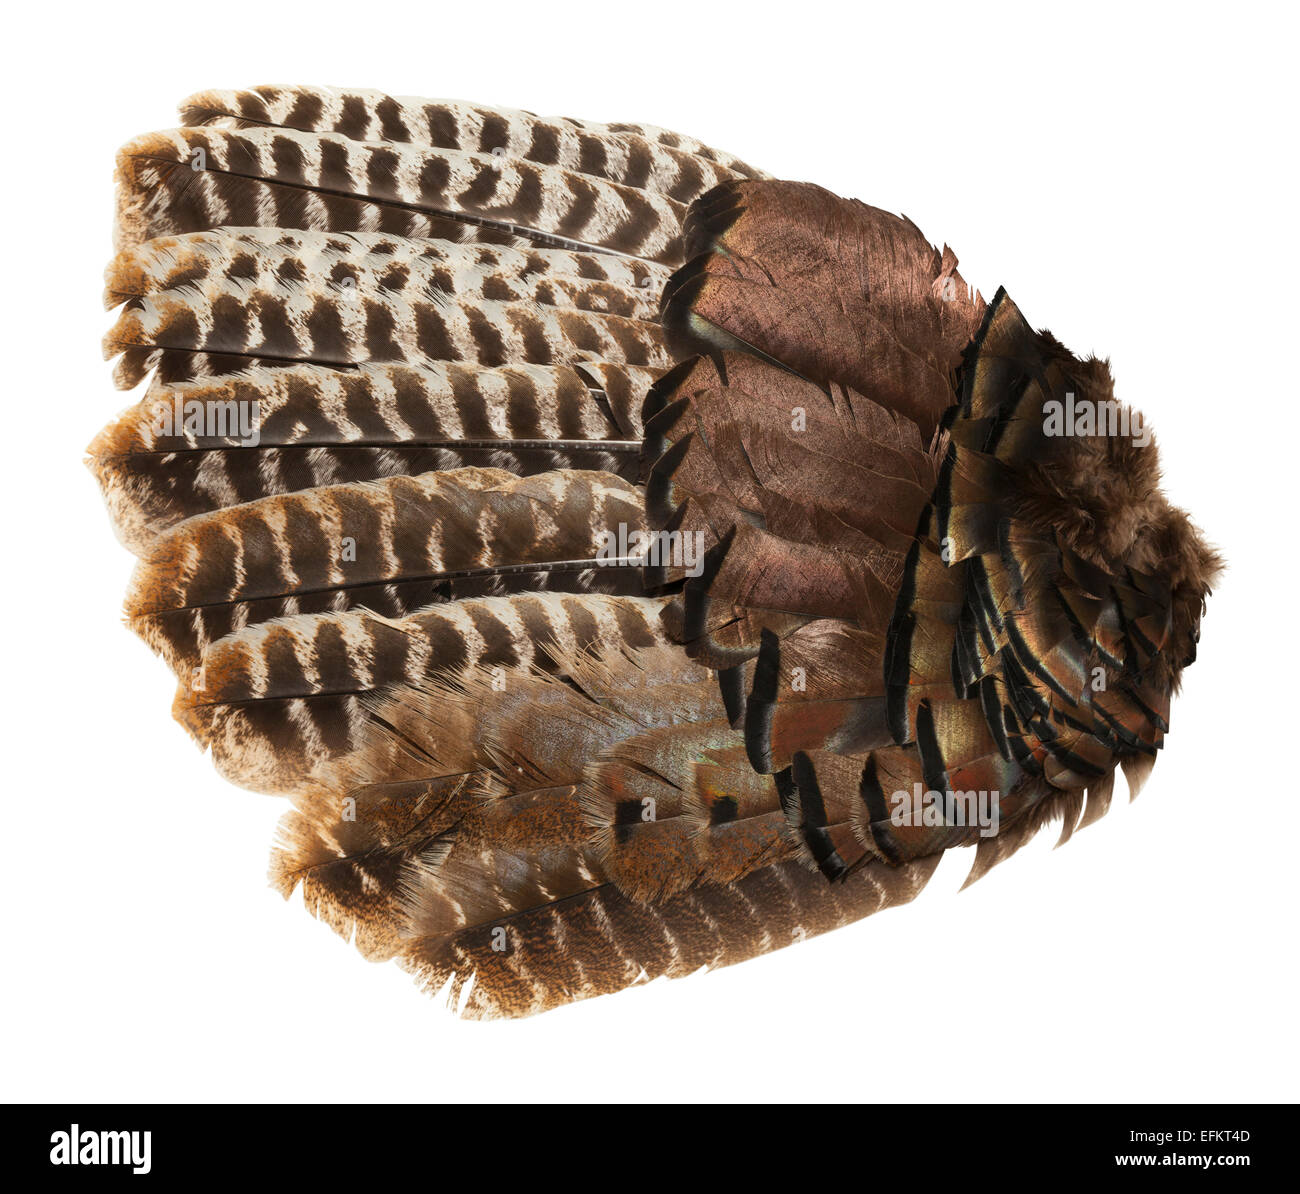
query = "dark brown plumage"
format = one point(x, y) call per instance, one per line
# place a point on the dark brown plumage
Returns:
point(607, 549)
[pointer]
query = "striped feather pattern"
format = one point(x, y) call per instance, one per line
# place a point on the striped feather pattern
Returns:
point(636, 155)
point(182, 450)
point(191, 179)
point(602, 941)
point(281, 704)
point(289, 321)
point(385, 545)
point(262, 258)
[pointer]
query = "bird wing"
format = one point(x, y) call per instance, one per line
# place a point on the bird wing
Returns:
point(589, 535)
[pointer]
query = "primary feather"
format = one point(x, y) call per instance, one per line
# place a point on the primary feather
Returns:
point(598, 541)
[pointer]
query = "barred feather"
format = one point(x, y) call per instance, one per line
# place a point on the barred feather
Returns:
point(602, 941)
point(185, 448)
point(637, 155)
point(335, 326)
point(191, 179)
point(281, 704)
point(265, 258)
point(458, 531)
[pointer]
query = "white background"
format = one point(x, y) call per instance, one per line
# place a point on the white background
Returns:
point(1128, 173)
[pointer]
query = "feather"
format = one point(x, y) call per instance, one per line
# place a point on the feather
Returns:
point(215, 176)
point(636, 155)
point(600, 941)
point(190, 448)
point(271, 258)
point(282, 705)
point(833, 289)
point(329, 325)
point(386, 545)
